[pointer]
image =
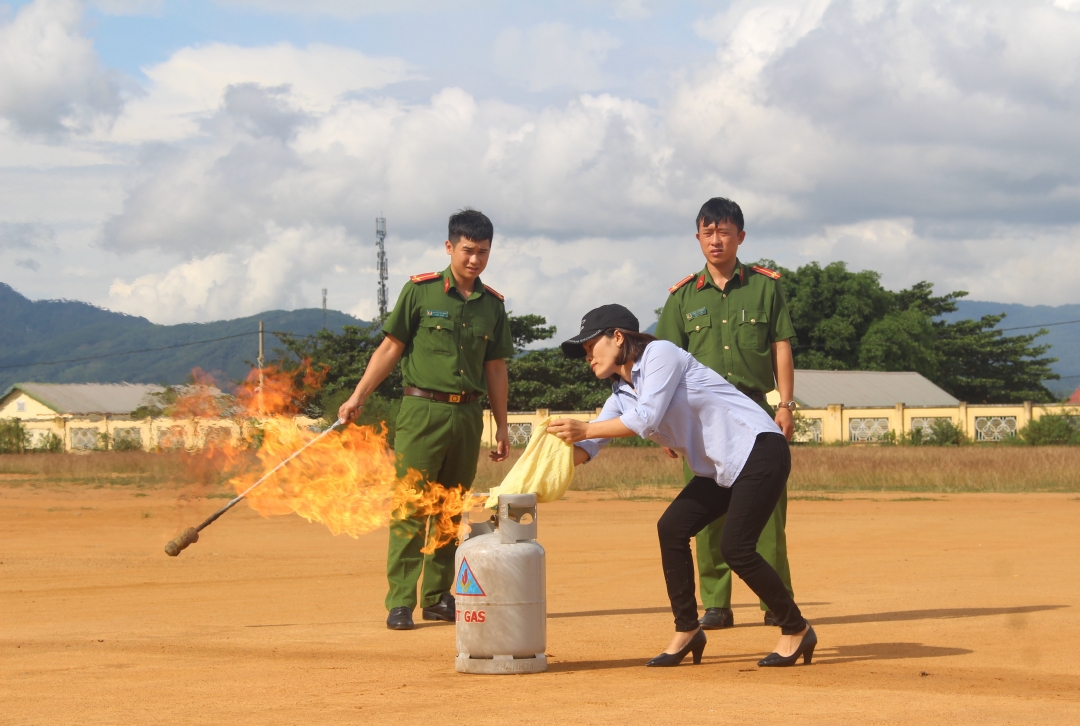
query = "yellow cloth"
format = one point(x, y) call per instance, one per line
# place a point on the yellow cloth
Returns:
point(545, 469)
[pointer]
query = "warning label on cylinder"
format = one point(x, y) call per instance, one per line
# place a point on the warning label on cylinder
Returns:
point(466, 582)
point(471, 616)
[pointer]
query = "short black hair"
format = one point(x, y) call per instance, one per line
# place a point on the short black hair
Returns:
point(470, 224)
point(717, 211)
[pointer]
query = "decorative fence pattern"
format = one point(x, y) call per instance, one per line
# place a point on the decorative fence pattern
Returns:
point(520, 433)
point(994, 428)
point(84, 439)
point(868, 429)
point(927, 423)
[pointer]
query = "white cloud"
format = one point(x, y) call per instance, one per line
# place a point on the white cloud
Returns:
point(26, 236)
point(190, 85)
point(51, 81)
point(554, 55)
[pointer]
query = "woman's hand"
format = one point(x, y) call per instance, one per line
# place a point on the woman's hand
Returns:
point(569, 430)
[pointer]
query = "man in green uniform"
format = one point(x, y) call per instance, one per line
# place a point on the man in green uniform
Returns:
point(732, 318)
point(452, 335)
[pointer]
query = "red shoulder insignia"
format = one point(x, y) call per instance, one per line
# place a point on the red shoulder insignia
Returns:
point(446, 284)
point(495, 292)
point(766, 272)
point(425, 277)
point(701, 281)
point(680, 283)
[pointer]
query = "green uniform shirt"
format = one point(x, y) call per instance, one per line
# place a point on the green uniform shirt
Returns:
point(730, 330)
point(447, 338)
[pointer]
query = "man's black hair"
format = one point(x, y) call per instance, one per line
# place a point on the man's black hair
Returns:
point(717, 211)
point(470, 224)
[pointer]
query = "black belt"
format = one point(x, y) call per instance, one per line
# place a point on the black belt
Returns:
point(755, 396)
point(440, 396)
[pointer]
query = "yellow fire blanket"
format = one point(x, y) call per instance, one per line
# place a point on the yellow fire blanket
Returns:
point(545, 469)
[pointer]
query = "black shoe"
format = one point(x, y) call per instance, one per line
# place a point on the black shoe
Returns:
point(770, 619)
point(696, 644)
point(443, 610)
point(400, 619)
point(717, 619)
point(805, 649)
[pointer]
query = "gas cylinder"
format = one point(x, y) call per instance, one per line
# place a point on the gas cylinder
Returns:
point(500, 590)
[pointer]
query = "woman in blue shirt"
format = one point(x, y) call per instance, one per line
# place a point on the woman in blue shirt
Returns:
point(739, 457)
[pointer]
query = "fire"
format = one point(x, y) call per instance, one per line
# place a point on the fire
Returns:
point(347, 480)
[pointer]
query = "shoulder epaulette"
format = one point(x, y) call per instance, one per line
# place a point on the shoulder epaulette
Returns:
point(495, 292)
point(766, 272)
point(425, 277)
point(680, 283)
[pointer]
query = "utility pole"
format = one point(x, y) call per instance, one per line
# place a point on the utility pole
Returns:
point(324, 308)
point(380, 246)
point(262, 364)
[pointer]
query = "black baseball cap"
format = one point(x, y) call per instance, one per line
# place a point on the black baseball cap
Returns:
point(595, 322)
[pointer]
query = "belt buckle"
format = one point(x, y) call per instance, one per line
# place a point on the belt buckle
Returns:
point(455, 398)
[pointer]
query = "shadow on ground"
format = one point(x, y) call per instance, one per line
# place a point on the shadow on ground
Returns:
point(937, 614)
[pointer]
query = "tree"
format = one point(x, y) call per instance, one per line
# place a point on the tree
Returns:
point(548, 379)
point(525, 329)
point(846, 320)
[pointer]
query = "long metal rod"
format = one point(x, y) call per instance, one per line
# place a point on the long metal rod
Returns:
point(267, 475)
point(191, 535)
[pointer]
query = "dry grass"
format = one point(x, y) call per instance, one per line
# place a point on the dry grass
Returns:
point(100, 469)
point(935, 469)
point(628, 473)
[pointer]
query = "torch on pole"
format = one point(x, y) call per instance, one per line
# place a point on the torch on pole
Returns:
point(191, 535)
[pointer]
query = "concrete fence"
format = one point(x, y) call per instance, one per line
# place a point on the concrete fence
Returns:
point(984, 422)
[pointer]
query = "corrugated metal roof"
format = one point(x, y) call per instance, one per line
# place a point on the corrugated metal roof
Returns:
point(818, 389)
point(84, 398)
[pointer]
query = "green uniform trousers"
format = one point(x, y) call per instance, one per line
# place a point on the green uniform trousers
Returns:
point(713, 571)
point(442, 441)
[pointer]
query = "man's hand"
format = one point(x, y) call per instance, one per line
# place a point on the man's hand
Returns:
point(350, 409)
point(672, 454)
point(502, 444)
point(568, 430)
point(786, 421)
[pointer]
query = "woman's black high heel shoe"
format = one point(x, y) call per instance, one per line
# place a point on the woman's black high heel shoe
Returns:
point(805, 649)
point(696, 644)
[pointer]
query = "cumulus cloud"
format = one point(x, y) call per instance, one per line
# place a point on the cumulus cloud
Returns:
point(924, 140)
point(554, 55)
point(51, 80)
point(28, 263)
point(190, 85)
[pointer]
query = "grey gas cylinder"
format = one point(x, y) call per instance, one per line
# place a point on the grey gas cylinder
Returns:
point(500, 590)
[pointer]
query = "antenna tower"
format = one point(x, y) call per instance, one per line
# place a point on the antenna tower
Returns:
point(324, 308)
point(380, 245)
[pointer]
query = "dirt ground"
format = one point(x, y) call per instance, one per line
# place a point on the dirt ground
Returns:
point(936, 609)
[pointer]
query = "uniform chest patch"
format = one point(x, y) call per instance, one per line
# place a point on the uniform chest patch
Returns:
point(437, 313)
point(696, 314)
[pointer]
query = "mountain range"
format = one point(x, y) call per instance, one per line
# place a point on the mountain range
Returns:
point(96, 344)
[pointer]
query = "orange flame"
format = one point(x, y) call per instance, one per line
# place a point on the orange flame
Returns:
point(347, 480)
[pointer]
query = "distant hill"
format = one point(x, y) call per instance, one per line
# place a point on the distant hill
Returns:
point(34, 332)
point(1064, 339)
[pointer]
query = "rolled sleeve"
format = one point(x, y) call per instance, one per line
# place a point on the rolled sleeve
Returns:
point(780, 318)
point(612, 409)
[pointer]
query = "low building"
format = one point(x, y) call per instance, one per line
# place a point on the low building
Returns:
point(89, 416)
point(859, 407)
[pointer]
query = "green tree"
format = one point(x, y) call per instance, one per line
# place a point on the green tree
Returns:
point(525, 329)
point(548, 379)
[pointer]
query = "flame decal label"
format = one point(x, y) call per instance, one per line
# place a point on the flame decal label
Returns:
point(466, 581)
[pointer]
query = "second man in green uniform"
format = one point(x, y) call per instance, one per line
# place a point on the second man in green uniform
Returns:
point(732, 318)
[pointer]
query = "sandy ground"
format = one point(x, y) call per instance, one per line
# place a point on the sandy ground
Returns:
point(960, 609)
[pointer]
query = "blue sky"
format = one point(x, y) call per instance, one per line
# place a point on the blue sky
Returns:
point(190, 161)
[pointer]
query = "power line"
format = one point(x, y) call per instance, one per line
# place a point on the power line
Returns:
point(1044, 325)
point(129, 352)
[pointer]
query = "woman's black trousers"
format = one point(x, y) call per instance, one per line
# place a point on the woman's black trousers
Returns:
point(748, 503)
